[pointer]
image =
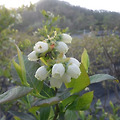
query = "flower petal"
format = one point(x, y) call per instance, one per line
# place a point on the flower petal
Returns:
point(55, 82)
point(66, 78)
point(58, 70)
point(41, 73)
point(41, 47)
point(73, 70)
point(66, 38)
point(62, 47)
point(75, 61)
point(32, 56)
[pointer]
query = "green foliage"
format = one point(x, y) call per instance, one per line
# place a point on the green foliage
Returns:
point(48, 25)
point(71, 115)
point(46, 102)
point(7, 19)
point(20, 68)
point(44, 113)
point(101, 77)
point(36, 98)
point(101, 113)
point(103, 51)
point(14, 93)
point(85, 59)
point(82, 103)
point(22, 116)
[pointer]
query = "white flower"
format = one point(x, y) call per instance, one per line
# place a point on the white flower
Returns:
point(62, 47)
point(54, 82)
point(66, 38)
point(58, 70)
point(32, 56)
point(73, 71)
point(41, 73)
point(41, 47)
point(66, 78)
point(64, 56)
point(87, 89)
point(75, 61)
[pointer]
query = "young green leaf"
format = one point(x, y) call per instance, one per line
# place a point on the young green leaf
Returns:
point(85, 59)
point(21, 62)
point(18, 70)
point(30, 74)
point(21, 67)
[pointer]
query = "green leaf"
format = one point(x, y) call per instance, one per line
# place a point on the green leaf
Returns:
point(33, 111)
point(82, 103)
point(101, 77)
point(21, 67)
point(85, 59)
point(69, 100)
point(44, 113)
point(16, 118)
point(80, 83)
point(22, 116)
point(14, 93)
point(21, 62)
point(46, 102)
point(31, 68)
point(18, 69)
point(71, 115)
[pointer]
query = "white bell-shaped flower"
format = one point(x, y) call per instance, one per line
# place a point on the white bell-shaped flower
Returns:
point(32, 56)
point(66, 38)
point(41, 73)
point(58, 70)
point(66, 78)
point(73, 71)
point(62, 47)
point(64, 56)
point(41, 47)
point(75, 61)
point(54, 82)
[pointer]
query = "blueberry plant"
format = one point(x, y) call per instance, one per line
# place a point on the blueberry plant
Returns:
point(48, 83)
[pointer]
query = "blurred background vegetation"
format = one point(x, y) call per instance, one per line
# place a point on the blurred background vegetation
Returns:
point(97, 31)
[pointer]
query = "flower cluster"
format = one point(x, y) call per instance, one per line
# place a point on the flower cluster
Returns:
point(57, 68)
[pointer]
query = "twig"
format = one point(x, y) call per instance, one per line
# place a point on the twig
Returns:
point(56, 112)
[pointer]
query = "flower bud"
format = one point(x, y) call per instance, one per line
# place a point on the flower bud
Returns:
point(58, 70)
point(41, 47)
point(32, 56)
point(62, 47)
point(75, 61)
point(41, 73)
point(54, 82)
point(66, 38)
point(73, 71)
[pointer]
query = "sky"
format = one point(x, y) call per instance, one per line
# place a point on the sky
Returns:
point(110, 5)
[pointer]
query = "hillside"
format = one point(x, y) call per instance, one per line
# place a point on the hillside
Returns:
point(74, 17)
